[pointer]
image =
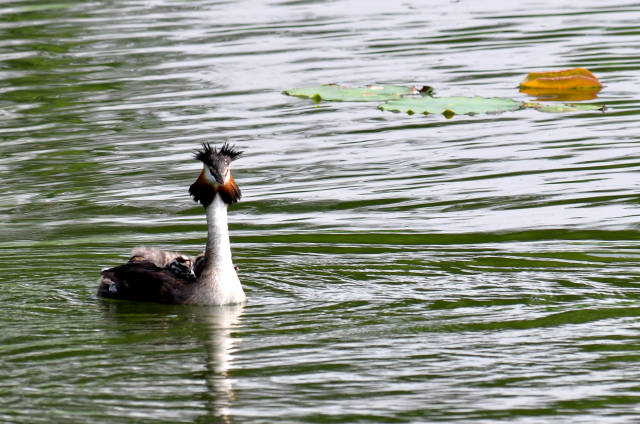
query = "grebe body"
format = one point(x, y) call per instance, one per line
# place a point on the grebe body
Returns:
point(167, 277)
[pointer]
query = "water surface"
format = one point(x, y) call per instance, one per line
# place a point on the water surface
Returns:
point(398, 268)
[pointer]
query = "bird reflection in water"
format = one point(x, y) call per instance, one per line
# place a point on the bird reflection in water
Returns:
point(146, 333)
point(220, 347)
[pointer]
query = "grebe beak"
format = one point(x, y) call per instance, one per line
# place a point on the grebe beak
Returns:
point(215, 172)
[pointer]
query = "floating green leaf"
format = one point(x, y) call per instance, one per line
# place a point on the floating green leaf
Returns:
point(333, 92)
point(410, 100)
point(561, 107)
point(450, 106)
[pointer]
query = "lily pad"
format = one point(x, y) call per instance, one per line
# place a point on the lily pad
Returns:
point(410, 100)
point(560, 108)
point(333, 92)
point(450, 106)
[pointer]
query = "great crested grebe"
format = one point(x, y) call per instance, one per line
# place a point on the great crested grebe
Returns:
point(167, 277)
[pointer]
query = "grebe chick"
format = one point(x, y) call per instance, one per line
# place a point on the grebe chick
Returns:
point(183, 265)
point(160, 258)
point(167, 277)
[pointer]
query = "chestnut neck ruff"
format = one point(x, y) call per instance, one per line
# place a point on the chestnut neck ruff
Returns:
point(202, 191)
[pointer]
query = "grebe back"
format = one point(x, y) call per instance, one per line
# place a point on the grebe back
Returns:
point(168, 277)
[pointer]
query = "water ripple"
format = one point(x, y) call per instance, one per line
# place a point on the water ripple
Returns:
point(399, 268)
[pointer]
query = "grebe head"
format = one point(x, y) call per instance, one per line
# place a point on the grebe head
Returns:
point(217, 162)
point(215, 177)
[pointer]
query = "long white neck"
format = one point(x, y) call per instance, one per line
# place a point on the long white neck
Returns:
point(218, 283)
point(218, 251)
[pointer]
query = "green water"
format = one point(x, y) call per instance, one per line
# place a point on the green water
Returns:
point(398, 268)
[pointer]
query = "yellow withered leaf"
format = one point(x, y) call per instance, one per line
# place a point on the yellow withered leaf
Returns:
point(569, 84)
point(577, 78)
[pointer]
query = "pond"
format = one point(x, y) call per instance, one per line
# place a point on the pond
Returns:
point(398, 268)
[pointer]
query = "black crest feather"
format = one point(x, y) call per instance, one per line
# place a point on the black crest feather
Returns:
point(204, 155)
point(207, 152)
point(231, 151)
